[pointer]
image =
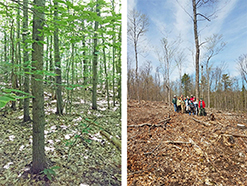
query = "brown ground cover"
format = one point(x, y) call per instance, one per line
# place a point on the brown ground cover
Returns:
point(168, 148)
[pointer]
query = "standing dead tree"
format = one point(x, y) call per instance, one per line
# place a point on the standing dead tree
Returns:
point(213, 47)
point(137, 26)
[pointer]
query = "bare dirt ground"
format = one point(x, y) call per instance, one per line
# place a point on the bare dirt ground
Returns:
point(168, 148)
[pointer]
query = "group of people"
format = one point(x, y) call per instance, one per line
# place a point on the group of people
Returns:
point(189, 105)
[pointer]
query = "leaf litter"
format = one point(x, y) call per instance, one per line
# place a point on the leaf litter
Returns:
point(83, 156)
point(183, 149)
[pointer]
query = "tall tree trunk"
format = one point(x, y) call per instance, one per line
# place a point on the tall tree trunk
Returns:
point(95, 63)
point(13, 74)
point(58, 65)
point(106, 74)
point(18, 57)
point(5, 55)
point(25, 60)
point(39, 162)
point(197, 46)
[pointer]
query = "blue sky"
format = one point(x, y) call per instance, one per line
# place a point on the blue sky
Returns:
point(168, 19)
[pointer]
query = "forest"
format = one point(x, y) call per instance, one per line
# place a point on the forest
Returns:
point(60, 92)
point(170, 56)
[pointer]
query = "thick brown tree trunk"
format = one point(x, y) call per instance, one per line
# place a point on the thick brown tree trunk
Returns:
point(39, 162)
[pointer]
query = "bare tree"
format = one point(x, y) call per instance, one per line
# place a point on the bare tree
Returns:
point(197, 4)
point(213, 47)
point(166, 58)
point(242, 62)
point(179, 60)
point(137, 26)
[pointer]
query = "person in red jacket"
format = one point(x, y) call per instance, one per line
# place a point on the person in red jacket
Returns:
point(201, 107)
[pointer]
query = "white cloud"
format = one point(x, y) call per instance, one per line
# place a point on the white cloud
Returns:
point(131, 4)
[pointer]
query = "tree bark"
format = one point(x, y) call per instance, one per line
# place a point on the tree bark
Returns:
point(39, 162)
point(197, 46)
point(95, 63)
point(57, 65)
point(25, 61)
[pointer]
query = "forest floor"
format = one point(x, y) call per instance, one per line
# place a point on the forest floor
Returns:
point(74, 145)
point(168, 148)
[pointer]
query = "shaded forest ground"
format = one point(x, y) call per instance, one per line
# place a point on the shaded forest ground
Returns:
point(167, 148)
point(83, 155)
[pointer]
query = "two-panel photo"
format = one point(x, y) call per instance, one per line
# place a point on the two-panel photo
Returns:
point(132, 93)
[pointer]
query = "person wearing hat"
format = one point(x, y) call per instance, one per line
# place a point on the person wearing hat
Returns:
point(201, 107)
point(174, 101)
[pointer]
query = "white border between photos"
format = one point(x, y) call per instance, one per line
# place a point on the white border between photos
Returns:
point(124, 92)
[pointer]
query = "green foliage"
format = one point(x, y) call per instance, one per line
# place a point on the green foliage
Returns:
point(185, 83)
point(49, 172)
point(7, 95)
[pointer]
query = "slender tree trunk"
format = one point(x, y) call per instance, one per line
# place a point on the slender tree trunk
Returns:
point(39, 162)
point(106, 74)
point(5, 55)
point(197, 46)
point(95, 63)
point(58, 65)
point(25, 61)
point(13, 74)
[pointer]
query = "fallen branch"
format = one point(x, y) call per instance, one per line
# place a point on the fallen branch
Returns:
point(234, 135)
point(140, 125)
point(177, 142)
point(202, 122)
point(116, 142)
point(165, 120)
point(112, 139)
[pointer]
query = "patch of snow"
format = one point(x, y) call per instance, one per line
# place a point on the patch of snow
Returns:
point(88, 112)
point(82, 101)
point(86, 157)
point(77, 119)
point(96, 137)
point(82, 184)
point(49, 148)
point(11, 137)
point(46, 132)
point(57, 140)
point(21, 147)
point(103, 109)
point(50, 141)
point(67, 136)
point(53, 128)
point(7, 165)
point(20, 117)
point(64, 126)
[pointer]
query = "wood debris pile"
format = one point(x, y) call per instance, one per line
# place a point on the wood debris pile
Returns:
point(168, 148)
